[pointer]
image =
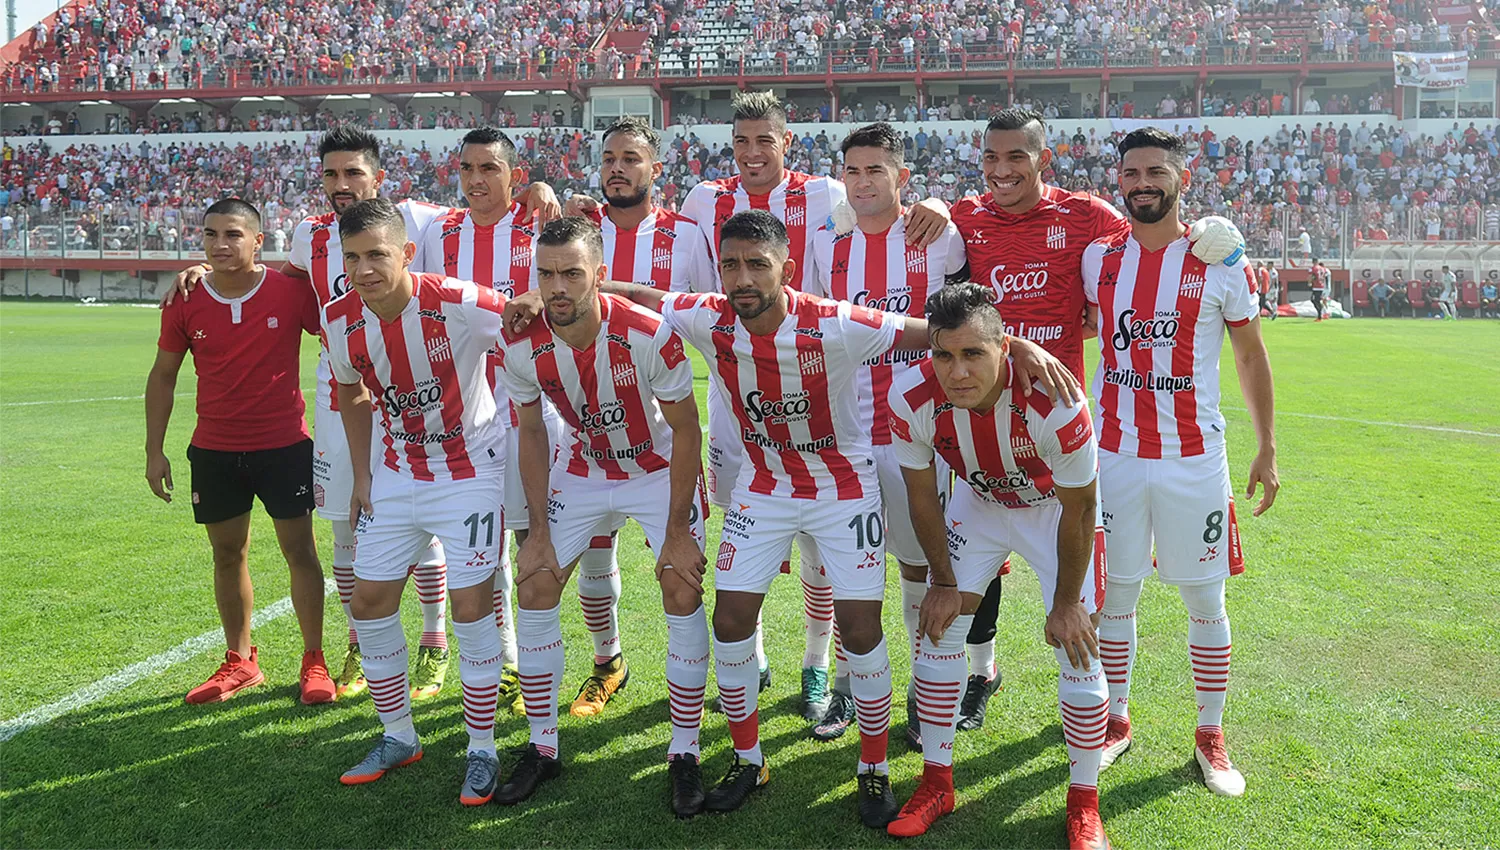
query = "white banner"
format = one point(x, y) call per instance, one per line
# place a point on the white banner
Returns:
point(1431, 70)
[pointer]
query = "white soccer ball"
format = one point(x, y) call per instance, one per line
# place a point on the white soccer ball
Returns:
point(1216, 240)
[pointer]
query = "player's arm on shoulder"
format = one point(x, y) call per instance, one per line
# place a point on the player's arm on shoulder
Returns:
point(870, 333)
point(186, 281)
point(161, 387)
point(483, 310)
point(647, 296)
point(925, 222)
point(1036, 364)
point(1253, 364)
point(681, 560)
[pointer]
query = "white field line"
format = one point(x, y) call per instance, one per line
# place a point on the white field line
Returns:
point(1377, 423)
point(124, 678)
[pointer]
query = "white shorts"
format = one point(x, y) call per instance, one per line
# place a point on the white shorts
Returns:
point(581, 509)
point(726, 451)
point(981, 535)
point(1181, 504)
point(757, 537)
point(900, 537)
point(333, 476)
point(516, 516)
point(464, 516)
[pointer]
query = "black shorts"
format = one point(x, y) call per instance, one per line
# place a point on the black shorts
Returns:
point(226, 484)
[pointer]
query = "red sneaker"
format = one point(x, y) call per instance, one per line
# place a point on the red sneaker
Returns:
point(1116, 740)
point(930, 802)
point(1219, 774)
point(1085, 829)
point(234, 675)
point(317, 685)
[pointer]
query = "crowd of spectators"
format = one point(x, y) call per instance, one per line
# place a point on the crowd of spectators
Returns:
point(1306, 190)
point(288, 121)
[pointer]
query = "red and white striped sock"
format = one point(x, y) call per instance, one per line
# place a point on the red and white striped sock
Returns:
point(817, 610)
point(599, 596)
point(382, 649)
point(505, 618)
point(432, 591)
point(1209, 648)
point(479, 669)
point(687, 678)
point(938, 678)
point(870, 685)
point(1083, 699)
point(1117, 642)
point(343, 571)
point(539, 638)
point(739, 686)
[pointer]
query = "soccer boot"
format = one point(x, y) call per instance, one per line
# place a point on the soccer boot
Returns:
point(837, 719)
point(530, 771)
point(764, 685)
point(317, 687)
point(387, 755)
point(736, 786)
point(1116, 740)
point(685, 785)
point(1218, 774)
point(351, 681)
point(815, 695)
point(598, 689)
point(510, 687)
point(428, 673)
point(234, 675)
point(1085, 829)
point(932, 800)
point(877, 803)
point(480, 771)
point(976, 702)
point(913, 724)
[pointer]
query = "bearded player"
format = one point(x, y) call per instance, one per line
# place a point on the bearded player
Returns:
point(1025, 241)
point(872, 265)
point(1163, 467)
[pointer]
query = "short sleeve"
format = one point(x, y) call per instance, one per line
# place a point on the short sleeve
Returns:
point(482, 312)
point(174, 335)
point(669, 369)
point(692, 315)
point(1067, 443)
point(705, 275)
point(1093, 257)
point(518, 375)
point(819, 281)
point(1108, 222)
point(955, 258)
point(867, 333)
point(430, 255)
point(301, 253)
point(338, 356)
point(312, 314)
point(911, 438)
point(1239, 303)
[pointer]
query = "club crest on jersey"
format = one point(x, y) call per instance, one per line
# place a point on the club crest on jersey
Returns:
point(1057, 237)
point(1021, 447)
point(916, 260)
point(810, 361)
point(520, 255)
point(1192, 286)
point(623, 373)
point(661, 258)
point(271, 322)
point(439, 349)
point(795, 216)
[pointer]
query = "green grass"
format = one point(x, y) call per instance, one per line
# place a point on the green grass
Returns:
point(1363, 710)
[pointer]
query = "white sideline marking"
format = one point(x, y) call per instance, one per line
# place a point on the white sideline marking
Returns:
point(1437, 428)
point(122, 679)
point(77, 400)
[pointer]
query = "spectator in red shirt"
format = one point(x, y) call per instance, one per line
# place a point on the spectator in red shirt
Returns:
point(251, 439)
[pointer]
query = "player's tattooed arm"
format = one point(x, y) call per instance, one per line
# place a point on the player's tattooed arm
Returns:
point(1036, 364)
point(161, 384)
point(1253, 364)
point(533, 453)
point(943, 603)
point(926, 221)
point(681, 553)
point(355, 411)
point(1069, 626)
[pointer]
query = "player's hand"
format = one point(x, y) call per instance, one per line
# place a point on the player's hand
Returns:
point(1035, 364)
point(521, 311)
point(1216, 240)
point(361, 508)
point(159, 476)
point(681, 554)
point(541, 204)
point(940, 607)
point(186, 281)
point(1069, 626)
point(581, 204)
point(537, 556)
point(926, 221)
point(1263, 472)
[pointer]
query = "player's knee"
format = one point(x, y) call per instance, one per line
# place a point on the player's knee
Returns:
point(913, 572)
point(1204, 601)
point(540, 592)
point(678, 598)
point(472, 603)
point(229, 556)
point(733, 622)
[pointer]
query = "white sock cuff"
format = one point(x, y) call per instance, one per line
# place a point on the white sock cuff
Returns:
point(1120, 597)
point(869, 662)
point(734, 652)
point(539, 623)
point(343, 544)
point(913, 592)
point(1204, 601)
point(380, 636)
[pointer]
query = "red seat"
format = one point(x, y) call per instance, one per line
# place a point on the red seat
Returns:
point(1468, 295)
point(1414, 296)
point(1361, 293)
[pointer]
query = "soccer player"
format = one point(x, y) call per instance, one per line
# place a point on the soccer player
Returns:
point(789, 361)
point(418, 343)
point(1163, 469)
point(1025, 241)
point(1028, 468)
point(251, 439)
point(622, 381)
point(1318, 278)
point(872, 265)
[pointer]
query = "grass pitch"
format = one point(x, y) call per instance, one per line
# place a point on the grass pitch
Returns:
point(1362, 709)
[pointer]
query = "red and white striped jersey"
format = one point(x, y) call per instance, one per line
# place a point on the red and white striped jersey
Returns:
point(427, 368)
point(792, 393)
point(496, 255)
point(1161, 328)
point(801, 201)
point(317, 250)
point(1013, 454)
point(608, 393)
point(666, 251)
point(882, 272)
